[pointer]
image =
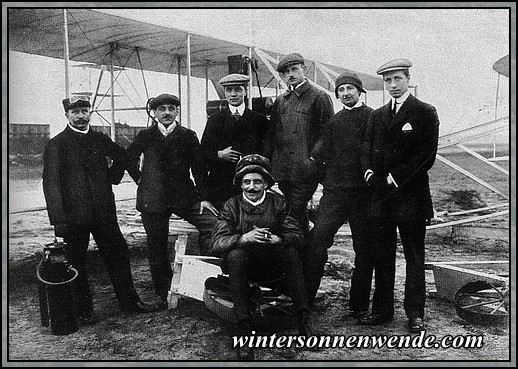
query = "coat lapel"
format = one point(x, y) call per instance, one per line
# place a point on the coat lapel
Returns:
point(386, 114)
point(402, 112)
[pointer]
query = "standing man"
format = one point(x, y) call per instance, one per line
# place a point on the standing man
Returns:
point(400, 145)
point(171, 153)
point(258, 240)
point(77, 183)
point(229, 135)
point(297, 121)
point(346, 196)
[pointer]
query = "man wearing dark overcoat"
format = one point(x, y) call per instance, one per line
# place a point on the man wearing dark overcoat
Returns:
point(165, 187)
point(400, 145)
point(295, 138)
point(234, 132)
point(77, 183)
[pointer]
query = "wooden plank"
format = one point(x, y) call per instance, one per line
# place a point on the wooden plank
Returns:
point(429, 264)
point(446, 213)
point(468, 220)
point(179, 246)
point(449, 279)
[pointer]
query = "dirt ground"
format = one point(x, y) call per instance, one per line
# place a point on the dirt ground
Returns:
point(192, 333)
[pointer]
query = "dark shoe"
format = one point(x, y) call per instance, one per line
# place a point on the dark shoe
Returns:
point(86, 319)
point(139, 307)
point(415, 325)
point(375, 319)
point(357, 313)
point(244, 328)
point(245, 353)
point(163, 305)
point(304, 324)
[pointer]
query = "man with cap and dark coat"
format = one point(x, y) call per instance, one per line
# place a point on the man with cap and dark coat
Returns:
point(400, 145)
point(229, 135)
point(345, 197)
point(171, 153)
point(297, 121)
point(258, 240)
point(77, 183)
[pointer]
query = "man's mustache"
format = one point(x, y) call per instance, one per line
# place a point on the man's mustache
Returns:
point(82, 121)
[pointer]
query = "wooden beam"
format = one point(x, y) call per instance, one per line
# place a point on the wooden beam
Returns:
point(471, 175)
point(480, 157)
point(481, 130)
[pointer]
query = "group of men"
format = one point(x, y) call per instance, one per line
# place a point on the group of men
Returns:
point(372, 163)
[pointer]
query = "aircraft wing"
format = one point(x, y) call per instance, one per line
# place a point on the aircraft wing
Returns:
point(502, 65)
point(92, 35)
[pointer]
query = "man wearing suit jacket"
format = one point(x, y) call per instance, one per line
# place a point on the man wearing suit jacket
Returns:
point(400, 146)
point(229, 135)
point(171, 153)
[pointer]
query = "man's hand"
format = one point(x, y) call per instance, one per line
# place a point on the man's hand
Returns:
point(260, 235)
point(229, 155)
point(60, 230)
point(208, 205)
point(377, 182)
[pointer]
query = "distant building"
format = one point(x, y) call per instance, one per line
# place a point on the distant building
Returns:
point(31, 139)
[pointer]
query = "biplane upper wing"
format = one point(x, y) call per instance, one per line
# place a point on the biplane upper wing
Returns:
point(93, 35)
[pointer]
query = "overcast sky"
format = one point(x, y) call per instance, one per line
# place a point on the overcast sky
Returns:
point(453, 50)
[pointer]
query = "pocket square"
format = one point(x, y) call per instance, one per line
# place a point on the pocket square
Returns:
point(407, 127)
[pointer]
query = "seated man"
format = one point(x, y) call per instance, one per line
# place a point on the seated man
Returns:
point(257, 239)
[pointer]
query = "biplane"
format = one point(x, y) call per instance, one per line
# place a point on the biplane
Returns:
point(113, 44)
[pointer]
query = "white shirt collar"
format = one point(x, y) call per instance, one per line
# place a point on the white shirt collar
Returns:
point(300, 84)
point(358, 104)
point(78, 130)
point(165, 131)
point(258, 202)
point(240, 109)
point(400, 100)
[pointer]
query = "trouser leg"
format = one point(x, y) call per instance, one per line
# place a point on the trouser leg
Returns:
point(77, 242)
point(116, 257)
point(204, 222)
point(412, 237)
point(298, 196)
point(238, 265)
point(330, 217)
point(384, 250)
point(361, 280)
point(289, 264)
point(361, 230)
point(157, 230)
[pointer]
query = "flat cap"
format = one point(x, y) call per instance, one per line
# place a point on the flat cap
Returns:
point(254, 163)
point(79, 101)
point(396, 64)
point(351, 78)
point(293, 58)
point(234, 79)
point(163, 99)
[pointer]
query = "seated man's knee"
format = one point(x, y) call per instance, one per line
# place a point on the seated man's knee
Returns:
point(236, 257)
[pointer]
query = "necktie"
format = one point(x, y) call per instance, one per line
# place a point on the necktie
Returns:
point(236, 115)
point(394, 108)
